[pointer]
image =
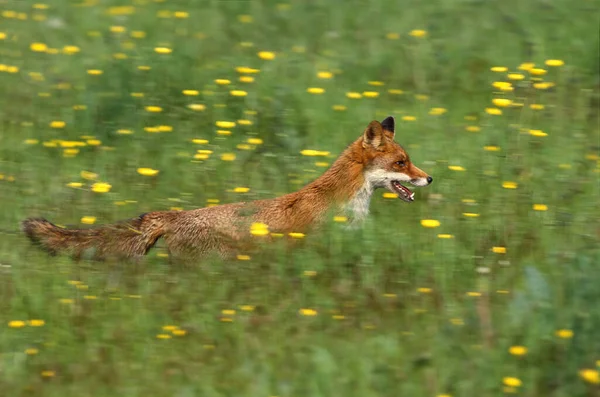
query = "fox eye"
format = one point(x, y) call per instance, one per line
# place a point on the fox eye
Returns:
point(401, 163)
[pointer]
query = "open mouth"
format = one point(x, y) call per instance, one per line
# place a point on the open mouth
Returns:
point(403, 192)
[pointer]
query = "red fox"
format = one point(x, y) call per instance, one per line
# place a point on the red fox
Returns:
point(372, 161)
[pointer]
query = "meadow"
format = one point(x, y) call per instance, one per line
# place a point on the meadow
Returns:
point(487, 285)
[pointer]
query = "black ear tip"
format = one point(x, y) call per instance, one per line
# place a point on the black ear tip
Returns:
point(389, 123)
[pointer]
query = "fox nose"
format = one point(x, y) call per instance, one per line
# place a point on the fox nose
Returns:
point(429, 179)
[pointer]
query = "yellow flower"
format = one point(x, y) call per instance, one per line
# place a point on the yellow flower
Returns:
point(536, 106)
point(181, 14)
point(163, 50)
point(246, 70)
point(340, 219)
point(225, 124)
point(247, 308)
point(389, 195)
point(266, 55)
point(245, 18)
point(456, 168)
point(538, 71)
point(101, 187)
point(590, 375)
point(308, 312)
point(117, 29)
point(392, 36)
point(473, 128)
point(324, 75)
point(16, 324)
point(153, 109)
point(537, 133)
point(517, 350)
point(499, 69)
point(354, 95)
point(238, 93)
point(526, 66)
point(491, 148)
point(311, 152)
point(409, 118)
point(564, 333)
point(246, 79)
point(95, 72)
point(163, 336)
point(540, 207)
point(543, 86)
point(501, 102)
point(48, 374)
point(191, 92)
point(243, 257)
point(424, 290)
point(259, 229)
point(57, 124)
point(222, 81)
point(437, 111)
point(88, 220)
point(474, 294)
point(38, 47)
point(310, 273)
point(499, 250)
point(516, 76)
point(512, 381)
point(31, 351)
point(315, 90)
point(376, 83)
point(179, 332)
point(228, 312)
point(395, 91)
point(555, 62)
point(509, 185)
point(241, 189)
point(445, 236)
point(36, 323)
point(198, 107)
point(255, 141)
point(228, 156)
point(370, 94)
point(339, 108)
point(493, 111)
point(147, 171)
point(75, 184)
point(418, 33)
point(70, 49)
point(296, 235)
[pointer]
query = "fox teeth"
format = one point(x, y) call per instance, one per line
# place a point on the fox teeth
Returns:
point(412, 196)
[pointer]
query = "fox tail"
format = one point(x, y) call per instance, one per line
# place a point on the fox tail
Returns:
point(127, 239)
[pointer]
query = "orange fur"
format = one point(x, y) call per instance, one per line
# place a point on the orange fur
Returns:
point(373, 160)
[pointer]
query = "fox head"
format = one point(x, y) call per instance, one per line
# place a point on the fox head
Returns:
point(386, 163)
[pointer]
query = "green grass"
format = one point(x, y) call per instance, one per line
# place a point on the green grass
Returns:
point(398, 311)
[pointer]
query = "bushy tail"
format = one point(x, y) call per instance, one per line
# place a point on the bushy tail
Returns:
point(131, 238)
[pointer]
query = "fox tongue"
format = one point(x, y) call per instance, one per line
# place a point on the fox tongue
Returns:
point(404, 191)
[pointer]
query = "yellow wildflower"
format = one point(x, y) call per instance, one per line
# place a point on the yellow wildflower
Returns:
point(163, 50)
point(88, 220)
point(564, 333)
point(418, 33)
point(512, 381)
point(315, 90)
point(266, 55)
point(517, 350)
point(147, 171)
point(555, 62)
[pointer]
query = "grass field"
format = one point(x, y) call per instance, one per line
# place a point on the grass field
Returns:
point(497, 100)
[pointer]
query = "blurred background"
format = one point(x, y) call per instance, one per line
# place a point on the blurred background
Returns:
point(486, 285)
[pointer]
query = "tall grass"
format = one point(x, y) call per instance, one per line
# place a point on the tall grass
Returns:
point(500, 298)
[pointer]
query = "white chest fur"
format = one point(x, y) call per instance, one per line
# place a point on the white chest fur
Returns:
point(358, 206)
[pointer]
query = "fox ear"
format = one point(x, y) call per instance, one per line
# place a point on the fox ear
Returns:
point(389, 126)
point(373, 135)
